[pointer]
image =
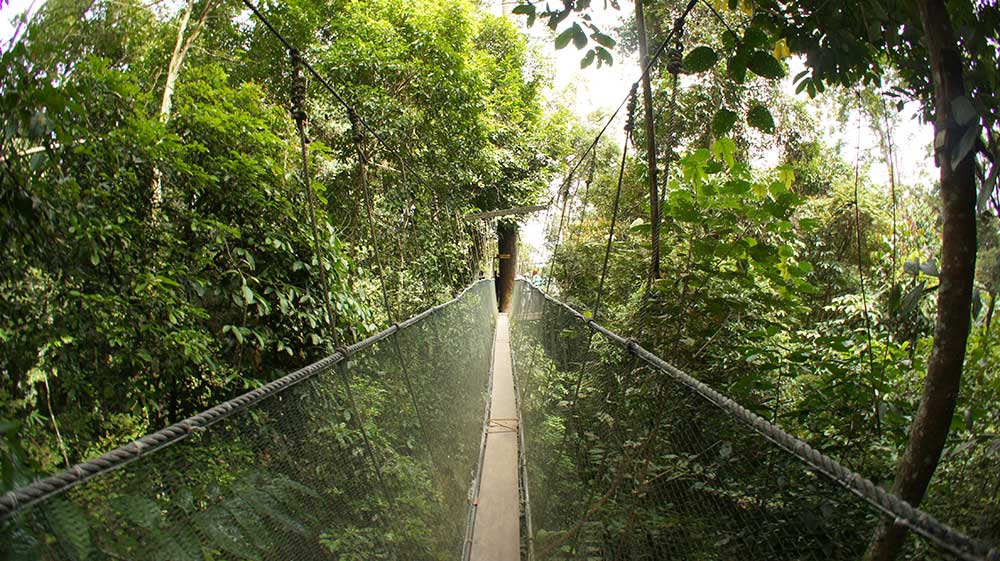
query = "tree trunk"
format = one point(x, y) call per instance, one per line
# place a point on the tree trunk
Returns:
point(507, 248)
point(647, 103)
point(181, 47)
point(958, 259)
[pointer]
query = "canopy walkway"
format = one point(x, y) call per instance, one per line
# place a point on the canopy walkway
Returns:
point(447, 436)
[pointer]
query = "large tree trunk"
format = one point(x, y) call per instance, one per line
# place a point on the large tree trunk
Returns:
point(647, 104)
point(507, 248)
point(958, 259)
point(181, 48)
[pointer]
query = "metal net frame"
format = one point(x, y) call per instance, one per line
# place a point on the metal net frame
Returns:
point(368, 454)
point(627, 457)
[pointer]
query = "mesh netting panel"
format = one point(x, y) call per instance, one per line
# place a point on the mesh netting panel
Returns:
point(625, 462)
point(370, 459)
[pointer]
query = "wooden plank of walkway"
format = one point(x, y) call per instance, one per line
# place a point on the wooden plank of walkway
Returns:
point(496, 534)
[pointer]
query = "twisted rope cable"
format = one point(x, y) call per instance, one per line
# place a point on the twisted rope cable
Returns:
point(902, 512)
point(41, 489)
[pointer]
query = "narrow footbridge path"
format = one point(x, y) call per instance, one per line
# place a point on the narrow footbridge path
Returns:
point(496, 534)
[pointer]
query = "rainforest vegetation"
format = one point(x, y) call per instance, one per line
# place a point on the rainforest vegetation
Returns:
point(163, 251)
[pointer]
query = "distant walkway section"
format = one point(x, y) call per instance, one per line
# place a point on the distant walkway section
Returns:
point(496, 535)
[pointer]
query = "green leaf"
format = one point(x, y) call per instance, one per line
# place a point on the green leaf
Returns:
point(524, 9)
point(765, 65)
point(603, 40)
point(754, 37)
point(760, 118)
point(247, 294)
point(37, 159)
point(723, 148)
point(723, 121)
point(737, 65)
point(564, 38)
point(700, 59)
point(603, 57)
point(579, 37)
point(588, 59)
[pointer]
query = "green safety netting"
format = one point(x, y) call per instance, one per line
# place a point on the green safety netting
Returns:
point(366, 457)
point(629, 458)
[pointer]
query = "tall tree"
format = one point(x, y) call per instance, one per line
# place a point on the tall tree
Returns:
point(958, 267)
point(185, 39)
point(650, 133)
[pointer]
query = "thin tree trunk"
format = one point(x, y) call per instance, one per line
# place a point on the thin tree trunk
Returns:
point(181, 47)
point(958, 259)
point(647, 103)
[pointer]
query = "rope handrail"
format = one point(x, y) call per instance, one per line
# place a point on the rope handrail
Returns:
point(41, 489)
point(947, 538)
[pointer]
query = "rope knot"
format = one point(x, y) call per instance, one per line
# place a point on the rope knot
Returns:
point(344, 351)
point(675, 58)
point(357, 135)
point(632, 98)
point(298, 88)
point(632, 345)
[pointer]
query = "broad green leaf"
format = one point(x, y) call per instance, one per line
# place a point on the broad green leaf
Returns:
point(564, 38)
point(579, 37)
point(603, 40)
point(737, 65)
point(526, 10)
point(588, 59)
point(787, 175)
point(723, 121)
point(603, 57)
point(724, 149)
point(765, 65)
point(760, 118)
point(700, 59)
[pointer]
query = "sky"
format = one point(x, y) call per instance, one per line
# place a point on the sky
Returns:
point(9, 12)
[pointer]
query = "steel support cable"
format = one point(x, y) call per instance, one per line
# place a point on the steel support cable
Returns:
point(674, 31)
point(299, 114)
point(41, 489)
point(321, 79)
point(629, 128)
point(390, 316)
point(861, 273)
point(562, 220)
point(904, 514)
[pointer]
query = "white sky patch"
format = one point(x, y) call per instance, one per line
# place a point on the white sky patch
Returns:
point(10, 13)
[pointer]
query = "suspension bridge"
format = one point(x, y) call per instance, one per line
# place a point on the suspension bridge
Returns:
point(466, 433)
point(493, 427)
